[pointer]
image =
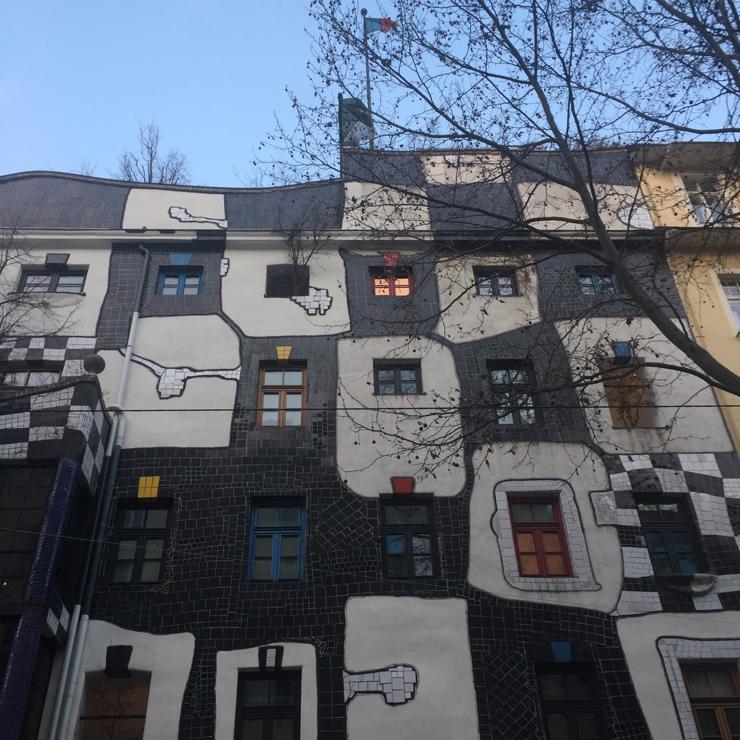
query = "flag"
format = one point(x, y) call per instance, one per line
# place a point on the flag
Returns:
point(356, 122)
point(373, 25)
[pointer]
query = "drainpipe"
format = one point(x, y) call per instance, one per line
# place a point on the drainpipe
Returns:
point(61, 720)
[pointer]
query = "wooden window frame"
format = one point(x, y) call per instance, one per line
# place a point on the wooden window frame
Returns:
point(142, 535)
point(492, 274)
point(268, 712)
point(717, 704)
point(570, 707)
point(391, 275)
point(54, 275)
point(283, 391)
point(408, 531)
point(685, 525)
point(537, 529)
point(512, 389)
point(181, 273)
point(396, 366)
point(597, 276)
point(277, 533)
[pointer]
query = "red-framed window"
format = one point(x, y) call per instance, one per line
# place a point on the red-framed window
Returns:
point(397, 283)
point(540, 540)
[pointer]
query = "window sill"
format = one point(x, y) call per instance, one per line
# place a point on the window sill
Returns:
point(696, 584)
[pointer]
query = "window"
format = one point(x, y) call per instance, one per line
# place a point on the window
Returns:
point(397, 379)
point(630, 397)
point(114, 708)
point(568, 705)
point(597, 281)
point(282, 396)
point(669, 534)
point(714, 691)
point(12, 377)
point(52, 281)
point(268, 706)
point(180, 281)
point(142, 532)
point(396, 282)
point(499, 281)
point(276, 541)
point(512, 398)
point(24, 493)
point(731, 289)
point(539, 536)
point(705, 196)
point(408, 538)
point(285, 281)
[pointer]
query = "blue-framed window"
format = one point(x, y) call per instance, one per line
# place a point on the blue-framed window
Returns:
point(276, 541)
point(180, 281)
point(597, 281)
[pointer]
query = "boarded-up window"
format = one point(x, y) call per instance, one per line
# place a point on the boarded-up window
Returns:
point(285, 281)
point(114, 708)
point(630, 396)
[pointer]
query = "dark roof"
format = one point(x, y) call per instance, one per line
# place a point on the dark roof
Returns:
point(472, 206)
point(399, 169)
point(608, 167)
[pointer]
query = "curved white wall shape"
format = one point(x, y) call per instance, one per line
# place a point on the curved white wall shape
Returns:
point(579, 471)
point(687, 416)
point(149, 208)
point(466, 316)
point(167, 657)
point(70, 314)
point(230, 662)
point(379, 436)
point(243, 293)
point(644, 638)
point(432, 636)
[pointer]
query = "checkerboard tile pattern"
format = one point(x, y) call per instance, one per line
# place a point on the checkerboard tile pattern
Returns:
point(710, 482)
point(69, 350)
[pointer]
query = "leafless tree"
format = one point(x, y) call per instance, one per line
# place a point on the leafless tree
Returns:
point(148, 163)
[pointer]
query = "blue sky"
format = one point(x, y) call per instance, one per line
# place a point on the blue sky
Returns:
point(76, 76)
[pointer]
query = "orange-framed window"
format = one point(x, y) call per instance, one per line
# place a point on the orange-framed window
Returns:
point(714, 691)
point(282, 396)
point(539, 536)
point(397, 283)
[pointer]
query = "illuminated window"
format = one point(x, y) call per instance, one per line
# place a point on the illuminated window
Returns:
point(282, 396)
point(397, 282)
point(714, 691)
point(114, 707)
point(539, 536)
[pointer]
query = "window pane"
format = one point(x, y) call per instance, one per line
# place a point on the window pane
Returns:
point(409, 388)
point(126, 550)
point(586, 284)
point(380, 286)
point(289, 516)
point(150, 571)
point(36, 283)
point(289, 569)
point(586, 724)
point(422, 544)
point(293, 377)
point(403, 286)
point(409, 514)
point(552, 686)
point(551, 542)
point(282, 729)
point(500, 376)
point(269, 418)
point(386, 388)
point(521, 512)
point(543, 512)
point(262, 570)
point(70, 283)
point(557, 727)
point(697, 684)
point(485, 286)
point(395, 544)
point(707, 721)
point(192, 285)
point(385, 375)
point(156, 518)
point(423, 566)
point(270, 401)
point(526, 412)
point(722, 684)
point(555, 565)
point(576, 686)
point(123, 572)
point(529, 565)
point(256, 693)
point(733, 722)
point(293, 418)
point(525, 542)
point(289, 546)
point(170, 285)
point(273, 377)
point(134, 518)
point(505, 285)
point(263, 546)
point(684, 552)
point(37, 378)
point(293, 400)
point(282, 692)
point(251, 729)
point(153, 550)
point(267, 516)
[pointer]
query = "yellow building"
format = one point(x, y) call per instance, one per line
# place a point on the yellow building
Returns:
point(692, 192)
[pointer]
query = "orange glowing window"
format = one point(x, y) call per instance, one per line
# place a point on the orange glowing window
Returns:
point(394, 283)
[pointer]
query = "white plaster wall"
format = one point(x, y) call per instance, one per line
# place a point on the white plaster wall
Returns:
point(432, 636)
point(639, 636)
point(369, 207)
point(584, 472)
point(167, 657)
point(243, 293)
point(71, 314)
point(551, 203)
point(467, 316)
point(230, 662)
point(368, 425)
point(687, 417)
point(173, 422)
point(465, 169)
point(148, 208)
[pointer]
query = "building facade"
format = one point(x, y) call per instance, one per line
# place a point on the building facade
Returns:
point(354, 489)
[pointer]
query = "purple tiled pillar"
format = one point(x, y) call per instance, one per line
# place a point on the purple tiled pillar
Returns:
point(23, 651)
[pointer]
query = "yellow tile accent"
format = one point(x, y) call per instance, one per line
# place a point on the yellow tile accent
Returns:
point(283, 351)
point(148, 486)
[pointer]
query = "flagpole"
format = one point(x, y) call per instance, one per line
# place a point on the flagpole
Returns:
point(363, 12)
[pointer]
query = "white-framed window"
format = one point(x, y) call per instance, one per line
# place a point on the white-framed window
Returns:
point(731, 288)
point(706, 197)
point(569, 528)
